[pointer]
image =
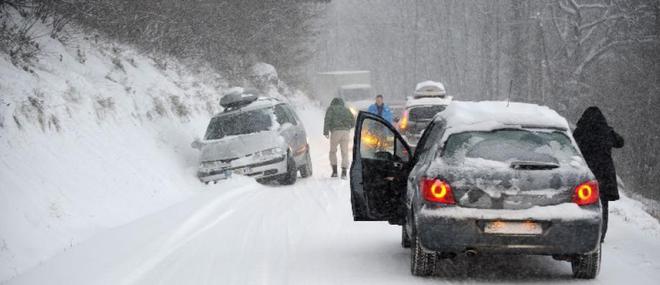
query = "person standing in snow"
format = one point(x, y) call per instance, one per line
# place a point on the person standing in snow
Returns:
point(596, 138)
point(336, 126)
point(379, 108)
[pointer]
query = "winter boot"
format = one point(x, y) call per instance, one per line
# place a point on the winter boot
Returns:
point(334, 171)
point(343, 173)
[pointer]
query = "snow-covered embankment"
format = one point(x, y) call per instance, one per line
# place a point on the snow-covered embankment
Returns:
point(94, 135)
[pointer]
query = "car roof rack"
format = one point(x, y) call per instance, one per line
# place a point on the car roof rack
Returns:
point(428, 89)
point(238, 99)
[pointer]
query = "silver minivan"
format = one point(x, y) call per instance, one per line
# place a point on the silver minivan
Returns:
point(260, 137)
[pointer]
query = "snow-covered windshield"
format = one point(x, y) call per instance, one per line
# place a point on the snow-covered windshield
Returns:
point(424, 113)
point(240, 123)
point(507, 145)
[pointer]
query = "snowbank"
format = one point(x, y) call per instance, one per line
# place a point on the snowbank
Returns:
point(93, 136)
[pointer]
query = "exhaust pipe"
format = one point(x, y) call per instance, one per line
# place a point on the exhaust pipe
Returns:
point(471, 253)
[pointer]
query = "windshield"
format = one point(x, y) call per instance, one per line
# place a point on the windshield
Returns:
point(240, 123)
point(510, 145)
point(424, 113)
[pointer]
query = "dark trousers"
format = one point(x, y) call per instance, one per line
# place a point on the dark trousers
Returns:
point(605, 218)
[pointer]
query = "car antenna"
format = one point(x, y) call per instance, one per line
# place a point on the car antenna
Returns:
point(508, 98)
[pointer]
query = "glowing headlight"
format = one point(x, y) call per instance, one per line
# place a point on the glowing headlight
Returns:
point(216, 164)
point(353, 110)
point(207, 164)
point(269, 152)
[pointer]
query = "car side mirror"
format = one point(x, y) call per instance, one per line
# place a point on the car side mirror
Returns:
point(197, 143)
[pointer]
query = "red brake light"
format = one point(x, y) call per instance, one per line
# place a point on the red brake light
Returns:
point(403, 123)
point(586, 193)
point(436, 190)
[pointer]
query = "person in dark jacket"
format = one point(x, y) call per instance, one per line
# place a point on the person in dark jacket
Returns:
point(336, 126)
point(596, 140)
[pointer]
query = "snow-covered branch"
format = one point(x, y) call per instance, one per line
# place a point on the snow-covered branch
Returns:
point(606, 45)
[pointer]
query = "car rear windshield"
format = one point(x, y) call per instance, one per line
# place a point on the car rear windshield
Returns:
point(425, 113)
point(240, 123)
point(510, 145)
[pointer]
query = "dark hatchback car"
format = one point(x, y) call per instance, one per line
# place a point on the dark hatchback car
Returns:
point(486, 177)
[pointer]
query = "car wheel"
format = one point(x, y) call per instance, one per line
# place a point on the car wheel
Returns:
point(586, 266)
point(291, 172)
point(405, 239)
point(421, 262)
point(306, 170)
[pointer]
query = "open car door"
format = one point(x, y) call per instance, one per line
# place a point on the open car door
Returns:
point(379, 172)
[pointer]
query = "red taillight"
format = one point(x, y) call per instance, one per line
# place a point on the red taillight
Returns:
point(436, 190)
point(403, 123)
point(586, 193)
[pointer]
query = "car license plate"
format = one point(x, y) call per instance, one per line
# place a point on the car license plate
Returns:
point(243, 171)
point(513, 228)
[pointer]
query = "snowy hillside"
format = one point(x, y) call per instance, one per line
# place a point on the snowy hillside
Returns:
point(92, 136)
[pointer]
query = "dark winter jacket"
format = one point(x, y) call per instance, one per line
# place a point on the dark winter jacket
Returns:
point(596, 140)
point(337, 117)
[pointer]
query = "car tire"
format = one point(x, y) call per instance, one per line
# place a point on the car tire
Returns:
point(306, 170)
point(421, 263)
point(405, 239)
point(587, 266)
point(291, 174)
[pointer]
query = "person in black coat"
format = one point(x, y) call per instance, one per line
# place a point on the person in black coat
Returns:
point(596, 138)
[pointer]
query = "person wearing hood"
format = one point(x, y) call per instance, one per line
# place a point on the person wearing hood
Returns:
point(381, 109)
point(336, 126)
point(596, 138)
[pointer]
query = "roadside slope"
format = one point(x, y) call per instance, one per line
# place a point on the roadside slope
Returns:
point(92, 136)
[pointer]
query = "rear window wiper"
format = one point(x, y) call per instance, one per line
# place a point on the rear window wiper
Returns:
point(533, 165)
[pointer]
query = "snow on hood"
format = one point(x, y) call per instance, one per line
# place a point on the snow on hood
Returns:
point(514, 189)
point(239, 146)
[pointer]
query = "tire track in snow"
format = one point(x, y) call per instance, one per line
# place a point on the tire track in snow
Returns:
point(196, 225)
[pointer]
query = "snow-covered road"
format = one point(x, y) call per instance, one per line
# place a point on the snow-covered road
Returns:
point(240, 232)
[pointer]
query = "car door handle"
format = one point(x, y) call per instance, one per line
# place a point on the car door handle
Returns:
point(398, 165)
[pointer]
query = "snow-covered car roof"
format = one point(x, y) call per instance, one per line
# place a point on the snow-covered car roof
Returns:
point(462, 116)
point(426, 101)
point(260, 103)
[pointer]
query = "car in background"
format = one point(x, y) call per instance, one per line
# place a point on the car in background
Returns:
point(430, 98)
point(259, 137)
point(486, 177)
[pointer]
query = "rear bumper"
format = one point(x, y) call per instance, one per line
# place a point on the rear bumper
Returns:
point(264, 169)
point(577, 234)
